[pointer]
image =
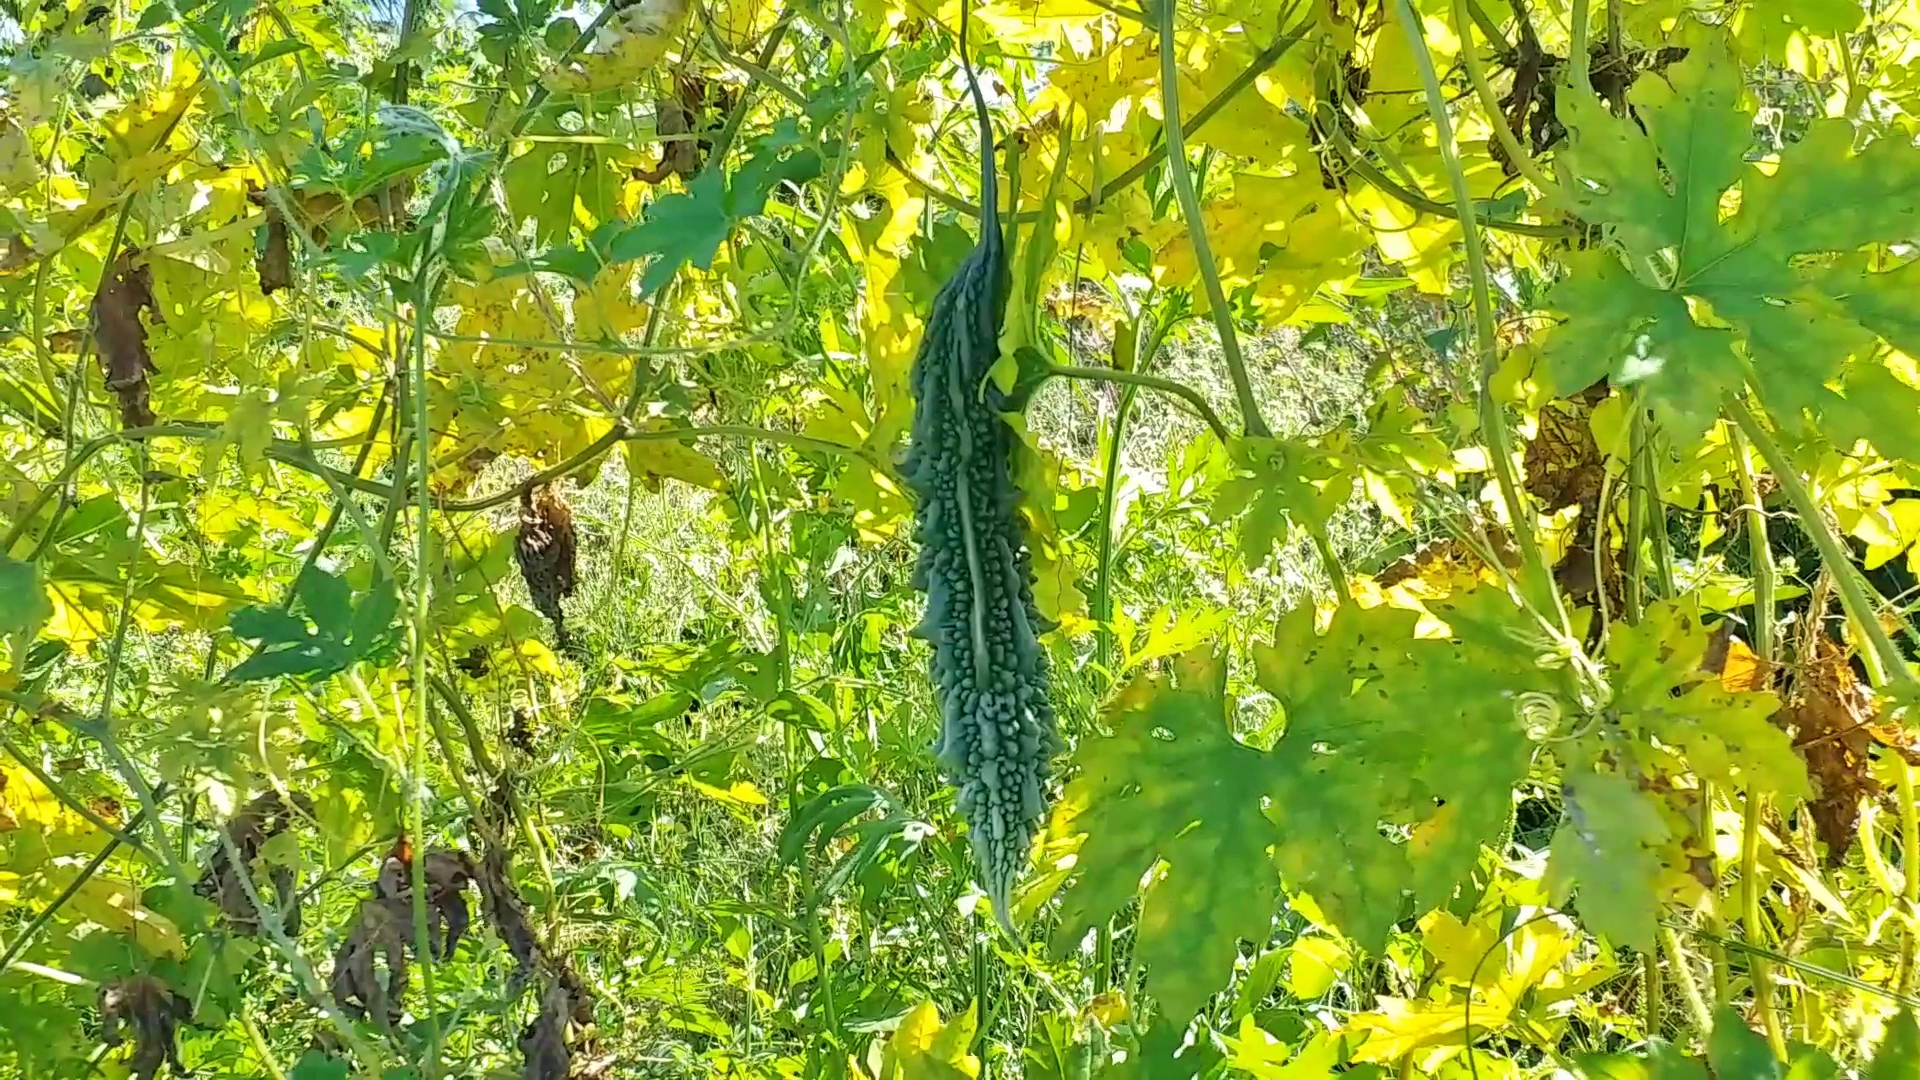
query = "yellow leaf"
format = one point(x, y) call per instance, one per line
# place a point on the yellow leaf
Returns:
point(741, 22)
point(116, 906)
point(1314, 963)
point(630, 44)
point(922, 1048)
point(652, 460)
point(1402, 1026)
point(1109, 1008)
point(1462, 948)
point(741, 793)
point(248, 429)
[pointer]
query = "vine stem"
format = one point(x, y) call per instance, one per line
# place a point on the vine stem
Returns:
point(1371, 173)
point(422, 598)
point(1152, 382)
point(1886, 662)
point(1910, 856)
point(1477, 75)
point(1183, 190)
point(1536, 578)
point(1689, 986)
point(1330, 562)
point(1577, 58)
point(1103, 642)
point(1762, 570)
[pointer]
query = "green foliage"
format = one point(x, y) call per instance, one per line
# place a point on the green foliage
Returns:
point(337, 632)
point(1172, 785)
point(23, 604)
point(1777, 294)
point(1606, 844)
point(1494, 693)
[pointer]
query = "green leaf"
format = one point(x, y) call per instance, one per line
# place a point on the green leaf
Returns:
point(552, 182)
point(314, 1065)
point(1736, 1052)
point(679, 229)
point(1610, 1067)
point(1604, 847)
point(1279, 483)
point(1898, 1057)
point(1661, 690)
point(1775, 295)
point(1361, 751)
point(339, 635)
point(690, 227)
point(23, 601)
point(1171, 783)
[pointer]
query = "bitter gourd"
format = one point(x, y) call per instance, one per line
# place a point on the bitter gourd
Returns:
point(989, 672)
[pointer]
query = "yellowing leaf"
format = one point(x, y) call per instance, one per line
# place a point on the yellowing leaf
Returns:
point(248, 430)
point(1460, 947)
point(1401, 1026)
point(628, 46)
point(1314, 964)
point(651, 460)
point(741, 793)
point(922, 1048)
point(116, 906)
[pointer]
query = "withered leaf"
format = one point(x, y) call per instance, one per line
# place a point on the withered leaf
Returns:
point(447, 874)
point(1830, 716)
point(379, 931)
point(266, 817)
point(507, 912)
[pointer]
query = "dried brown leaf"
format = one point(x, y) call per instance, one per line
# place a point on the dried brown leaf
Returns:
point(447, 874)
point(507, 912)
point(379, 932)
point(266, 817)
point(1831, 716)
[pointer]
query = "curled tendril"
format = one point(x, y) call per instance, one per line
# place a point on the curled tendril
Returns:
point(1539, 713)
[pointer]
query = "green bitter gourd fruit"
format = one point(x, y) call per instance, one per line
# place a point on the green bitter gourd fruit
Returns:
point(989, 671)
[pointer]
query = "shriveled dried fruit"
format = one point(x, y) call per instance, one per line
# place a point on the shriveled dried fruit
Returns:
point(259, 821)
point(545, 551)
point(520, 732)
point(544, 1042)
point(1564, 467)
point(151, 1011)
point(125, 290)
point(447, 874)
point(689, 111)
point(274, 263)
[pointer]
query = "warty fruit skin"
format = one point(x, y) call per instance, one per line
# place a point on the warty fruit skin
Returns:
point(989, 671)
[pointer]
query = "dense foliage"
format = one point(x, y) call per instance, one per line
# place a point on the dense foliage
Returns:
point(693, 537)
